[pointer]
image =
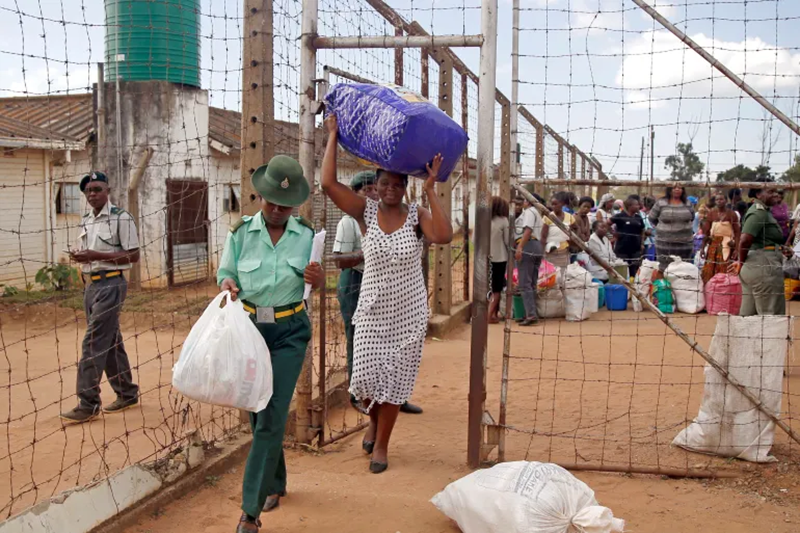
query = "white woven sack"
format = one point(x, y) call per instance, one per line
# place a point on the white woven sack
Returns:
point(687, 286)
point(525, 497)
point(753, 351)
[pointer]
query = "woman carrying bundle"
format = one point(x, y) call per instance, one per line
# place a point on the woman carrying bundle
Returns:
point(720, 237)
point(392, 314)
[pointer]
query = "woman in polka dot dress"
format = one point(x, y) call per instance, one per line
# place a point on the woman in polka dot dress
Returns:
point(392, 314)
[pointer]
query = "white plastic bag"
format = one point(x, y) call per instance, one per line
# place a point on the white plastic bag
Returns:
point(224, 360)
point(753, 350)
point(687, 286)
point(643, 281)
point(524, 497)
point(580, 294)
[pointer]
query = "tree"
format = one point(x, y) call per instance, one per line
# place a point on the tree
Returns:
point(792, 174)
point(685, 165)
point(742, 173)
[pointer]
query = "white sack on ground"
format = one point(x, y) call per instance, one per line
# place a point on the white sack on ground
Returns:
point(753, 351)
point(525, 497)
point(643, 281)
point(687, 286)
point(580, 294)
point(550, 303)
point(224, 359)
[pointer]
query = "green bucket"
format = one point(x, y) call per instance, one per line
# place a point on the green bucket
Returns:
point(519, 307)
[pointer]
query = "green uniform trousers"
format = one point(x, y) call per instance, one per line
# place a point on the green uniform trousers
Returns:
point(347, 293)
point(762, 284)
point(265, 471)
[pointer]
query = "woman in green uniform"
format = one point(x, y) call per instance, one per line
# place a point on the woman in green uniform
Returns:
point(266, 263)
point(760, 264)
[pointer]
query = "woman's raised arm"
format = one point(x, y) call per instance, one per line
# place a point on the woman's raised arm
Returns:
point(435, 224)
point(344, 197)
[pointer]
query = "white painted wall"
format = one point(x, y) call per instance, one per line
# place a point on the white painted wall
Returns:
point(23, 216)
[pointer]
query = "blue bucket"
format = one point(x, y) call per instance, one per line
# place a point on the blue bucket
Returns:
point(650, 252)
point(616, 297)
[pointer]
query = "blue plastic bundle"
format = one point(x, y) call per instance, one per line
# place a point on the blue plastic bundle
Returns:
point(395, 129)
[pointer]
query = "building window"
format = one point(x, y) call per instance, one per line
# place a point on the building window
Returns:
point(230, 198)
point(68, 199)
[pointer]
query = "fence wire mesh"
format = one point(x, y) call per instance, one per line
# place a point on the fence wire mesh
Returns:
point(613, 92)
point(165, 125)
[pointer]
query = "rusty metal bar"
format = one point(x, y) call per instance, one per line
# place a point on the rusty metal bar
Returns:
point(346, 75)
point(393, 41)
point(342, 434)
point(398, 59)
point(501, 443)
point(694, 184)
point(739, 82)
point(646, 303)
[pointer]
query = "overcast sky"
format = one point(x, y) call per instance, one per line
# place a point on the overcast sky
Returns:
point(598, 71)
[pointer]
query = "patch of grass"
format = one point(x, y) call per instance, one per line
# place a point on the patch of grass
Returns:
point(212, 481)
point(72, 299)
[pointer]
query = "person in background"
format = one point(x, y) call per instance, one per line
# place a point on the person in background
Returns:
point(649, 229)
point(629, 230)
point(741, 209)
point(350, 259)
point(672, 219)
point(108, 246)
point(528, 256)
point(498, 255)
point(720, 237)
point(602, 247)
point(556, 241)
point(519, 205)
point(734, 199)
point(781, 213)
point(265, 264)
point(605, 207)
point(391, 319)
point(619, 206)
point(760, 264)
point(583, 225)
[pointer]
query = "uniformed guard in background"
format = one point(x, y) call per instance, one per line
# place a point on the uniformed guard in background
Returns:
point(266, 262)
point(350, 259)
point(108, 246)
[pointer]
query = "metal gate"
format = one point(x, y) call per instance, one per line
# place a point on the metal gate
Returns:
point(187, 231)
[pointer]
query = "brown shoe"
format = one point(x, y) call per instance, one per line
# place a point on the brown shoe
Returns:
point(120, 405)
point(273, 501)
point(246, 525)
point(79, 415)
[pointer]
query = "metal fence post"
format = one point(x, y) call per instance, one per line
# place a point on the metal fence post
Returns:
point(480, 323)
point(505, 151)
point(465, 181)
point(307, 153)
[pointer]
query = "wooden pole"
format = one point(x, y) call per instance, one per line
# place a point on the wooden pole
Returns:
point(443, 273)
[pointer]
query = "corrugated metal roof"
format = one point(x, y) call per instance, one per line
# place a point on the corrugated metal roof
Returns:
point(62, 116)
point(10, 127)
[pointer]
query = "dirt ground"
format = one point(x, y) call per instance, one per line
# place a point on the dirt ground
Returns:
point(615, 389)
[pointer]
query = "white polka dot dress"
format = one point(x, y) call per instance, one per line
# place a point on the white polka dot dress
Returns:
point(392, 314)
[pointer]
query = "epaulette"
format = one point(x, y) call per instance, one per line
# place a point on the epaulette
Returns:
point(305, 222)
point(759, 207)
point(239, 223)
point(117, 210)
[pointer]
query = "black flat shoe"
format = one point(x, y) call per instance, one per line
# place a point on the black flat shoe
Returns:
point(273, 501)
point(411, 409)
point(376, 467)
point(248, 525)
point(368, 446)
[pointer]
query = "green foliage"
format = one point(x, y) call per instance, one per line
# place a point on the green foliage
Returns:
point(792, 174)
point(685, 165)
point(742, 173)
point(57, 277)
point(9, 291)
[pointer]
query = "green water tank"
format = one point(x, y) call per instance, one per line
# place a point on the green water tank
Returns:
point(153, 40)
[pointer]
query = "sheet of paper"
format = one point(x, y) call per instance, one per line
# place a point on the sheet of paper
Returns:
point(317, 248)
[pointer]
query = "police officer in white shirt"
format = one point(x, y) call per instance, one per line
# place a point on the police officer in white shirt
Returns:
point(108, 246)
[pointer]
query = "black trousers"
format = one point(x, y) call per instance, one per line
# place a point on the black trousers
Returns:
point(103, 350)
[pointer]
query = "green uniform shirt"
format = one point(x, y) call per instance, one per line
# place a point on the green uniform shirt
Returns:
point(268, 276)
point(759, 222)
